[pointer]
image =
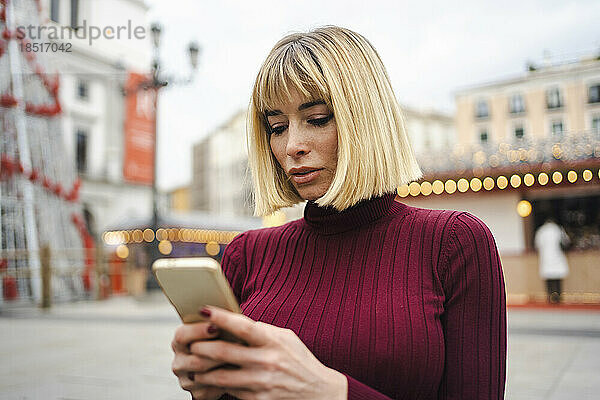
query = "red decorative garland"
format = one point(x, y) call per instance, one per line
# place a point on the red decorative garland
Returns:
point(52, 86)
point(90, 247)
point(10, 167)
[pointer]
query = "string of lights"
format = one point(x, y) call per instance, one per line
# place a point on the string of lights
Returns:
point(488, 183)
point(213, 239)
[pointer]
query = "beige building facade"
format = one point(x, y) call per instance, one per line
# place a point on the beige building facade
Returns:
point(429, 130)
point(545, 103)
point(220, 180)
point(179, 199)
point(527, 149)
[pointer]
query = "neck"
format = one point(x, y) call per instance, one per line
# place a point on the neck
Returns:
point(327, 220)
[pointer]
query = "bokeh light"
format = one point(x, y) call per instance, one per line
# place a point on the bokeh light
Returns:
point(165, 247)
point(524, 208)
point(502, 182)
point(122, 251)
point(450, 186)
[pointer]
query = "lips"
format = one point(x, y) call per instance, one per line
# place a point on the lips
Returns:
point(302, 172)
point(304, 175)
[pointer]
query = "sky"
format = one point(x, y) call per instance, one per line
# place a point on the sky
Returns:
point(431, 49)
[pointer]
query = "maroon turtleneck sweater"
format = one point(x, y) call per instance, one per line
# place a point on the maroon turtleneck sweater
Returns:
point(408, 303)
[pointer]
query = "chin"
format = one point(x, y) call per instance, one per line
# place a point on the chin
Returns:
point(311, 195)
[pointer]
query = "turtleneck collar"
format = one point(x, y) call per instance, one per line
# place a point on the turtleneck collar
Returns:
point(327, 220)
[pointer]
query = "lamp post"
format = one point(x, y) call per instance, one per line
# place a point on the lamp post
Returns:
point(156, 81)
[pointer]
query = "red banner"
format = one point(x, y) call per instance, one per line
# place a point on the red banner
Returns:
point(140, 129)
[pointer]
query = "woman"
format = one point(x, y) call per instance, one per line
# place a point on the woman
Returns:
point(365, 297)
point(549, 240)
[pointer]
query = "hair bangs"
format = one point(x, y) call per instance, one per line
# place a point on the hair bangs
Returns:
point(292, 69)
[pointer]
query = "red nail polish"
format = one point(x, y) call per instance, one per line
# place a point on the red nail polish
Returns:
point(212, 329)
point(205, 312)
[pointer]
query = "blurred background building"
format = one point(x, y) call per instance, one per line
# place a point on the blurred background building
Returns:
point(546, 103)
point(527, 148)
point(94, 107)
point(429, 130)
point(221, 182)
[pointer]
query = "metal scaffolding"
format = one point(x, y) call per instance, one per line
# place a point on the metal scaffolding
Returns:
point(39, 187)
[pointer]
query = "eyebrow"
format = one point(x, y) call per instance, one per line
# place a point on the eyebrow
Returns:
point(303, 106)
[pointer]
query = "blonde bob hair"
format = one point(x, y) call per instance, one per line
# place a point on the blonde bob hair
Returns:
point(343, 69)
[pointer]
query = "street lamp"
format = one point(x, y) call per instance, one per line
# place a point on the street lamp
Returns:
point(155, 82)
point(194, 52)
point(156, 30)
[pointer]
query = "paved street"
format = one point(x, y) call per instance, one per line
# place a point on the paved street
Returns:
point(119, 349)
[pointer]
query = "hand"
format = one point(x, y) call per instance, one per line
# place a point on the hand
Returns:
point(275, 364)
point(186, 365)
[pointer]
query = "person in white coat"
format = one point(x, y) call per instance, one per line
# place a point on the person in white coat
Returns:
point(550, 238)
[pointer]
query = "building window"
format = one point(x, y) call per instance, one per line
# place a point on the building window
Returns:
point(427, 141)
point(74, 14)
point(81, 154)
point(83, 90)
point(481, 109)
point(517, 105)
point(54, 7)
point(594, 94)
point(483, 136)
point(88, 217)
point(596, 124)
point(553, 98)
point(519, 132)
point(557, 129)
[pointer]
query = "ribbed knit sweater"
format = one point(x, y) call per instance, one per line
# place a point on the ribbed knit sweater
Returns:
point(407, 303)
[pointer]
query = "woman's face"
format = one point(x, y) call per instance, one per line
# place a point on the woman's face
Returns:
point(303, 138)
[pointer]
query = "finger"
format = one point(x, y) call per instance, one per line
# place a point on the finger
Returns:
point(187, 383)
point(184, 363)
point(187, 333)
point(238, 379)
point(242, 394)
point(208, 393)
point(227, 352)
point(200, 391)
point(252, 332)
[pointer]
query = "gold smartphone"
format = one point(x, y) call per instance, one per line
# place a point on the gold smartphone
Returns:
point(192, 283)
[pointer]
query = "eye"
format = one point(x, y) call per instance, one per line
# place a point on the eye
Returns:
point(277, 130)
point(320, 121)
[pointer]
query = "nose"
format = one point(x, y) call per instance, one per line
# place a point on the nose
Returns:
point(297, 144)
